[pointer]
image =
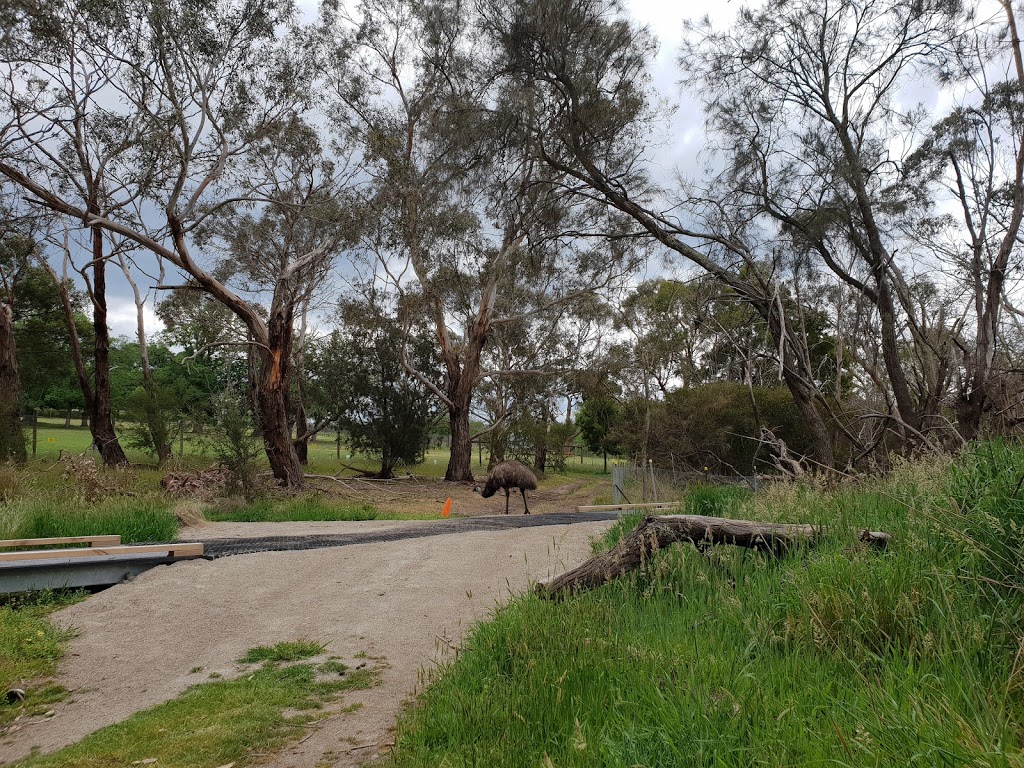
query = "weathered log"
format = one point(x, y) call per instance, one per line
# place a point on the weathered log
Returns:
point(656, 533)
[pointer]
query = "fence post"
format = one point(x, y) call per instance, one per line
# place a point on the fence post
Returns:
point(618, 480)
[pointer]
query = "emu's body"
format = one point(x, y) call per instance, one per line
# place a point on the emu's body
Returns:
point(508, 475)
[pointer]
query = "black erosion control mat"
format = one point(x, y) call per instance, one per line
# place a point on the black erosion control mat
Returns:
point(214, 548)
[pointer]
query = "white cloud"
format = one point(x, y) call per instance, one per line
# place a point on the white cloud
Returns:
point(121, 319)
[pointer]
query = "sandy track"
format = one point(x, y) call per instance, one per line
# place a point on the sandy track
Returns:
point(403, 602)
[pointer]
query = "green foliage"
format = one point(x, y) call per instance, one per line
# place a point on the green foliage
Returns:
point(232, 441)
point(285, 651)
point(988, 488)
point(714, 500)
point(357, 373)
point(597, 418)
point(45, 363)
point(153, 414)
point(838, 654)
point(715, 426)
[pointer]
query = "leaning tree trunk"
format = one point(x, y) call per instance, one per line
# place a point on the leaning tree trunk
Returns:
point(101, 420)
point(659, 532)
point(12, 439)
point(268, 382)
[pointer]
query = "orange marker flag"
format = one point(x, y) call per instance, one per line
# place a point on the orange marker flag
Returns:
point(447, 508)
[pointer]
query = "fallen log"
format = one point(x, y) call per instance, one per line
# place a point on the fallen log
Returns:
point(656, 533)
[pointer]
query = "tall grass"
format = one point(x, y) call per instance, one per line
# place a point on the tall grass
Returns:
point(839, 655)
point(136, 519)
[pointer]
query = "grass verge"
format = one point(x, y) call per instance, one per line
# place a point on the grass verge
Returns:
point(216, 723)
point(305, 508)
point(30, 647)
point(837, 655)
point(136, 519)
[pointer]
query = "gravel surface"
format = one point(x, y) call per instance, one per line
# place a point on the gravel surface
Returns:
point(406, 603)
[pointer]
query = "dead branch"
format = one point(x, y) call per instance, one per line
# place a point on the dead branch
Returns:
point(659, 532)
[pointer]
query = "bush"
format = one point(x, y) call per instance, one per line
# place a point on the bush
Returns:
point(231, 440)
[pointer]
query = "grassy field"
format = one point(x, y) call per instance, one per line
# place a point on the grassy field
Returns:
point(838, 656)
point(45, 498)
point(53, 436)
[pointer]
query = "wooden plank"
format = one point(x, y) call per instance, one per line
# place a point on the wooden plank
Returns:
point(92, 541)
point(614, 507)
point(174, 550)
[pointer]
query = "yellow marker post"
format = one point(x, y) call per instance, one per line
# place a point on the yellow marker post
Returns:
point(447, 508)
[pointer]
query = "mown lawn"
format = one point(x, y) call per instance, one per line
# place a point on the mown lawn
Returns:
point(836, 656)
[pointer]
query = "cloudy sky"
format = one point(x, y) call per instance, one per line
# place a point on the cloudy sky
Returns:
point(680, 148)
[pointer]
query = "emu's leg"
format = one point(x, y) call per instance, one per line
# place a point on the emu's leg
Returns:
point(523, 491)
point(506, 501)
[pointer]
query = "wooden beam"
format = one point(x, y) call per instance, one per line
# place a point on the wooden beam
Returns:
point(173, 550)
point(659, 532)
point(92, 541)
point(615, 507)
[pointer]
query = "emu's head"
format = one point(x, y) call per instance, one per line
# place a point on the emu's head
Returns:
point(486, 491)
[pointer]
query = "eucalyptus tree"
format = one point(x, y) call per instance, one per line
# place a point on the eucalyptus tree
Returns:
point(16, 250)
point(585, 66)
point(975, 155)
point(55, 135)
point(486, 233)
point(161, 122)
point(803, 99)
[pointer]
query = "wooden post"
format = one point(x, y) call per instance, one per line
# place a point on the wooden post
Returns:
point(35, 429)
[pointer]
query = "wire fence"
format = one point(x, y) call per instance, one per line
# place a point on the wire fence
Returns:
point(635, 484)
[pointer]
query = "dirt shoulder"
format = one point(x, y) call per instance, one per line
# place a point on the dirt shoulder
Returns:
point(405, 604)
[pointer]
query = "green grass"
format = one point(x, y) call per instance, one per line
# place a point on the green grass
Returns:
point(286, 651)
point(136, 519)
point(305, 508)
point(834, 656)
point(30, 647)
point(214, 723)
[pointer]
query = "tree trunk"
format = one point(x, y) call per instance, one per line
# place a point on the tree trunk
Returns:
point(67, 418)
point(656, 533)
point(301, 441)
point(156, 421)
point(12, 439)
point(268, 385)
point(460, 464)
point(101, 419)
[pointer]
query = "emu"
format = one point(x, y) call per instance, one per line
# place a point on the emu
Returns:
point(508, 475)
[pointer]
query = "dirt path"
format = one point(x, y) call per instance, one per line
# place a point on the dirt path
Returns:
point(404, 603)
